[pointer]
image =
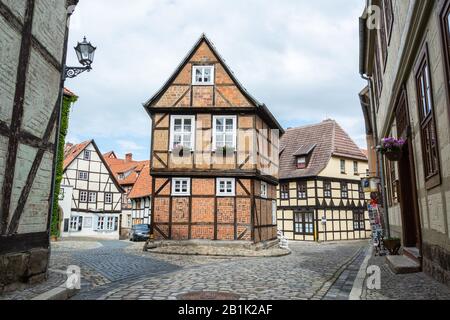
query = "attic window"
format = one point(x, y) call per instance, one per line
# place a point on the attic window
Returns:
point(203, 75)
point(301, 162)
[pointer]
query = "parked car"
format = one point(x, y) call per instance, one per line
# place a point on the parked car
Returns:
point(140, 232)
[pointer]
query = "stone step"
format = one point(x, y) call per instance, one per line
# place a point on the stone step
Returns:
point(413, 253)
point(403, 264)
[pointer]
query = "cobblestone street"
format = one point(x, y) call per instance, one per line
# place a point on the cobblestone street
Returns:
point(308, 273)
point(120, 270)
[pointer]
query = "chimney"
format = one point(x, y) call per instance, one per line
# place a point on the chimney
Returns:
point(128, 157)
point(69, 145)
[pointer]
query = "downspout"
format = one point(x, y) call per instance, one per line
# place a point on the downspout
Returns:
point(380, 159)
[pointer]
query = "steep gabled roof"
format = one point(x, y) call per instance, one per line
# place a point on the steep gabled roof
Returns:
point(143, 186)
point(72, 153)
point(326, 139)
point(204, 39)
point(119, 166)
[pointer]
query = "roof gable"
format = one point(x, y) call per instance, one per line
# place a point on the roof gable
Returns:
point(321, 141)
point(143, 186)
point(203, 52)
point(73, 153)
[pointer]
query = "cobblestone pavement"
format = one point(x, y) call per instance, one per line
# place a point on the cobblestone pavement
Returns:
point(305, 274)
point(416, 286)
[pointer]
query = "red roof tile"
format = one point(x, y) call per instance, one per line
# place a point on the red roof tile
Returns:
point(72, 152)
point(143, 186)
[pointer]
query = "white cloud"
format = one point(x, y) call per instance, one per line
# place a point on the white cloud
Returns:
point(300, 57)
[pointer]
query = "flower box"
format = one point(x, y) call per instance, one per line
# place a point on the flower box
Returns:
point(180, 151)
point(393, 245)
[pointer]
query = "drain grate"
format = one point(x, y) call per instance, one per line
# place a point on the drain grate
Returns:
point(208, 295)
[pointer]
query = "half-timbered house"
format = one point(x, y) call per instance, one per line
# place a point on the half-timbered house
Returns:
point(93, 192)
point(33, 49)
point(140, 197)
point(214, 155)
point(320, 197)
point(126, 171)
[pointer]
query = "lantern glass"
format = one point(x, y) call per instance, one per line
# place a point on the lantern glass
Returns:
point(85, 52)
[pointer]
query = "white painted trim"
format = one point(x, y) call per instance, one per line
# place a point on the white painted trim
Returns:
point(234, 130)
point(172, 130)
point(225, 194)
point(175, 180)
point(265, 194)
point(194, 80)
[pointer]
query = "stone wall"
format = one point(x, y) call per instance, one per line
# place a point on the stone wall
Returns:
point(416, 25)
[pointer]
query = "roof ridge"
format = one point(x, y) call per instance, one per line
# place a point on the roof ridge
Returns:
point(310, 125)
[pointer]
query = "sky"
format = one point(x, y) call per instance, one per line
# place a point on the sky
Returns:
point(299, 57)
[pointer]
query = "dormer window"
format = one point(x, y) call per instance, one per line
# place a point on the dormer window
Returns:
point(303, 155)
point(203, 75)
point(301, 162)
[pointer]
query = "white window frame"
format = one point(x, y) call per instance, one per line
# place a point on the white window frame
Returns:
point(264, 189)
point(215, 118)
point(62, 193)
point(274, 213)
point(180, 180)
point(226, 193)
point(74, 221)
point(90, 195)
point(172, 130)
point(110, 196)
point(86, 196)
point(87, 155)
point(81, 175)
point(204, 67)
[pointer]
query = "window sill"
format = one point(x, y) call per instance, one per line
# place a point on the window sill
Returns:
point(433, 182)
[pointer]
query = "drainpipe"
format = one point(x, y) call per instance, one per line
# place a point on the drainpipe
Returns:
point(380, 160)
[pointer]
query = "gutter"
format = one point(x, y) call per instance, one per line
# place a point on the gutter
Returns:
point(380, 160)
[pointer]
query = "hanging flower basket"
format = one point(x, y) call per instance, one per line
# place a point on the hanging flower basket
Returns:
point(392, 148)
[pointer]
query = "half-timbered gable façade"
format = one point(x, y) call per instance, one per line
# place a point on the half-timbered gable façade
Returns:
point(94, 195)
point(320, 197)
point(126, 171)
point(140, 197)
point(214, 155)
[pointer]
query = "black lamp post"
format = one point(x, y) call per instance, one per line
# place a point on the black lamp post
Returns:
point(85, 54)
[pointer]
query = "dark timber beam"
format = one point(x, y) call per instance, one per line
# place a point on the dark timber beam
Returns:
point(17, 115)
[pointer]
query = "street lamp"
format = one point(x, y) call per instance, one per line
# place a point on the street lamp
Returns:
point(85, 53)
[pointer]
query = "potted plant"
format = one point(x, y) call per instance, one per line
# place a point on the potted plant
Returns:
point(392, 148)
point(180, 151)
point(225, 151)
point(393, 245)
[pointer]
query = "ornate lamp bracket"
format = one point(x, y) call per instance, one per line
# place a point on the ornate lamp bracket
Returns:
point(72, 72)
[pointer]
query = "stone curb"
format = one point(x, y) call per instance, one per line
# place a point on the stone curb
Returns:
point(59, 293)
point(322, 292)
point(251, 254)
point(357, 289)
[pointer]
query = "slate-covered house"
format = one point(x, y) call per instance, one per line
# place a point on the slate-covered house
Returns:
point(320, 197)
